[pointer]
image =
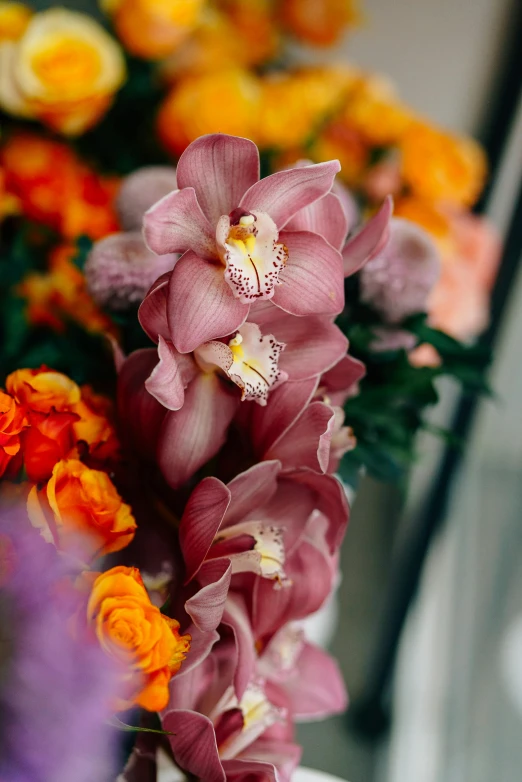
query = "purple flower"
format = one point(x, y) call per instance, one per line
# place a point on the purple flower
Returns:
point(56, 689)
point(399, 278)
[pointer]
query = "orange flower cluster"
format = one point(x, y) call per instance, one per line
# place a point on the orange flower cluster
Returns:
point(61, 293)
point(56, 189)
point(64, 438)
point(46, 417)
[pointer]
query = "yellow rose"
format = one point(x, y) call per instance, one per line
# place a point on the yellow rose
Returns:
point(64, 70)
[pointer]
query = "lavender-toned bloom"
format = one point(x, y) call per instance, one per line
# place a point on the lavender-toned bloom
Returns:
point(398, 280)
point(56, 689)
point(120, 270)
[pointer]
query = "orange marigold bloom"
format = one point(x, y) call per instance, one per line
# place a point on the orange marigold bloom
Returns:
point(12, 422)
point(55, 188)
point(195, 107)
point(61, 293)
point(14, 18)
point(134, 631)
point(319, 22)
point(440, 166)
point(152, 29)
point(83, 502)
point(293, 105)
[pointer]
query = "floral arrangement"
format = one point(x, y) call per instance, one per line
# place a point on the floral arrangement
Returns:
point(206, 319)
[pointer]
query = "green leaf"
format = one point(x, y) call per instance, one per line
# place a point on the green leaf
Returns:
point(117, 723)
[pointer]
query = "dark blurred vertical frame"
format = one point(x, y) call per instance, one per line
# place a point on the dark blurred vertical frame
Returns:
point(370, 716)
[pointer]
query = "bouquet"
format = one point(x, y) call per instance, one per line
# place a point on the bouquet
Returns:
point(229, 285)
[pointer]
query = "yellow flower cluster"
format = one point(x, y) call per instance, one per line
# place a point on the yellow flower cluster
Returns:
point(57, 66)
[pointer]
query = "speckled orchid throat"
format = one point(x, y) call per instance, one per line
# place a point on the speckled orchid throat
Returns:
point(248, 246)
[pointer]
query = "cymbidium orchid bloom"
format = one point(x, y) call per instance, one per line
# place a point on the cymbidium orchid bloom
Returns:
point(230, 226)
point(218, 737)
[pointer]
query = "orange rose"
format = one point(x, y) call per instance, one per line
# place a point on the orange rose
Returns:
point(83, 502)
point(195, 107)
point(293, 105)
point(135, 632)
point(153, 28)
point(238, 34)
point(48, 399)
point(57, 189)
point(318, 22)
point(95, 426)
point(12, 422)
point(440, 166)
point(42, 390)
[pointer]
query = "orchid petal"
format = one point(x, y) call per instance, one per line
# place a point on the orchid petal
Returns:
point(152, 313)
point(165, 382)
point(286, 403)
point(283, 194)
point(266, 753)
point(176, 224)
point(329, 498)
point(307, 442)
point(312, 280)
point(192, 435)
point(237, 618)
point(312, 345)
point(194, 744)
point(316, 688)
point(311, 575)
point(339, 381)
point(369, 241)
point(325, 217)
point(144, 414)
point(206, 607)
point(201, 305)
point(251, 489)
point(201, 643)
point(200, 522)
point(220, 168)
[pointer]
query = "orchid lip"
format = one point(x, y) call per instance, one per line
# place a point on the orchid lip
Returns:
point(267, 556)
point(251, 253)
point(250, 360)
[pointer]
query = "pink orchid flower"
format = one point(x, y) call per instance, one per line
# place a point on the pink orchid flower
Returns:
point(369, 240)
point(218, 737)
point(230, 226)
